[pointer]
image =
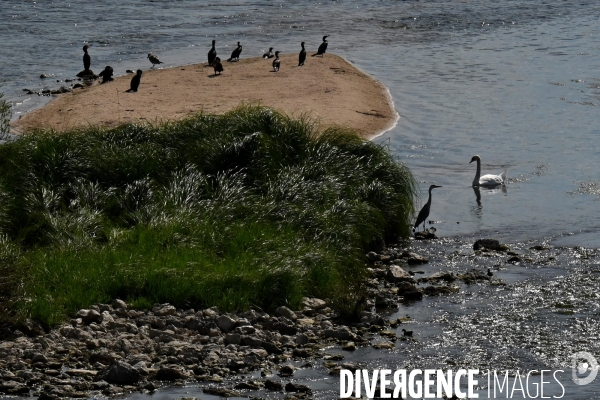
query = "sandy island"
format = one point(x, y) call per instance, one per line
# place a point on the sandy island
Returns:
point(329, 89)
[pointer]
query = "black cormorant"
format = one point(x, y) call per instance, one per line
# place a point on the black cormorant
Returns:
point(322, 48)
point(424, 213)
point(235, 54)
point(276, 62)
point(217, 66)
point(269, 54)
point(212, 54)
point(87, 60)
point(302, 56)
point(135, 81)
point(106, 74)
point(407, 333)
point(153, 59)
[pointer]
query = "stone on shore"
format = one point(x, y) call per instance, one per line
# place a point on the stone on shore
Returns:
point(395, 273)
point(283, 311)
point(120, 373)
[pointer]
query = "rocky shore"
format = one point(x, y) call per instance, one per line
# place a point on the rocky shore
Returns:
point(112, 350)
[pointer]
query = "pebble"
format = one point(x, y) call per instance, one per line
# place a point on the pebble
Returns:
point(111, 349)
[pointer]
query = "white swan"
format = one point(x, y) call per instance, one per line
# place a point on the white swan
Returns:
point(487, 180)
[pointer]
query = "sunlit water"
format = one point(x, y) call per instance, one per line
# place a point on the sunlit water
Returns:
point(515, 81)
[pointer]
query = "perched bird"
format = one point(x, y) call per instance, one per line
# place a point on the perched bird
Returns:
point(322, 48)
point(217, 66)
point(87, 60)
point(106, 74)
point(135, 81)
point(490, 273)
point(302, 56)
point(235, 54)
point(153, 59)
point(276, 62)
point(424, 213)
point(269, 54)
point(487, 180)
point(407, 333)
point(212, 54)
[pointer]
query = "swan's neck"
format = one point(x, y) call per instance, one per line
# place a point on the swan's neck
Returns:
point(477, 174)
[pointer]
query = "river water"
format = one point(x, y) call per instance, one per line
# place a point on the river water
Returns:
point(514, 81)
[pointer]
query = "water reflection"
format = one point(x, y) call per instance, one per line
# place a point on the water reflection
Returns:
point(478, 210)
point(477, 196)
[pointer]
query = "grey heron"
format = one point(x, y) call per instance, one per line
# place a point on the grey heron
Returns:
point(424, 213)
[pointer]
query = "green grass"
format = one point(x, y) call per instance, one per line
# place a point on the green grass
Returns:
point(250, 208)
point(5, 116)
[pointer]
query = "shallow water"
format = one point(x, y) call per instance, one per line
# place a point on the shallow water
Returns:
point(515, 81)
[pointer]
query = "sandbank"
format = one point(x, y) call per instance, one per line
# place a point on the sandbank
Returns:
point(328, 89)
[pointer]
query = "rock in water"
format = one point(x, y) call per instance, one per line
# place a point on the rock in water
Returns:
point(395, 273)
point(489, 244)
point(87, 74)
point(414, 258)
point(425, 235)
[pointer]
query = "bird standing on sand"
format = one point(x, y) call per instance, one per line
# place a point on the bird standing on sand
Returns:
point(235, 54)
point(269, 54)
point(87, 60)
point(407, 333)
point(217, 66)
point(154, 60)
point(212, 54)
point(488, 180)
point(424, 213)
point(276, 62)
point(106, 74)
point(135, 81)
point(302, 55)
point(322, 48)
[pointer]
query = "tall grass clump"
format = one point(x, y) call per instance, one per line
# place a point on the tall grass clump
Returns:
point(5, 116)
point(251, 208)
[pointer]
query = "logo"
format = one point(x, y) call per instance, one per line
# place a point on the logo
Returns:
point(581, 363)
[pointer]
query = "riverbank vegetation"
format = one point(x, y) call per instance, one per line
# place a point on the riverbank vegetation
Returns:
point(5, 116)
point(249, 208)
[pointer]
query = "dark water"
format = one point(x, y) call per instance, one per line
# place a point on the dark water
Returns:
point(515, 81)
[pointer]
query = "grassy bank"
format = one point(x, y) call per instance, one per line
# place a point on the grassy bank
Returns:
point(251, 208)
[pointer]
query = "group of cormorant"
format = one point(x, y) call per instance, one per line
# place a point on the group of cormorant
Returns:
point(213, 61)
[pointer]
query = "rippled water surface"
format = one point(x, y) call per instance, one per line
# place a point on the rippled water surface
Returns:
point(515, 81)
